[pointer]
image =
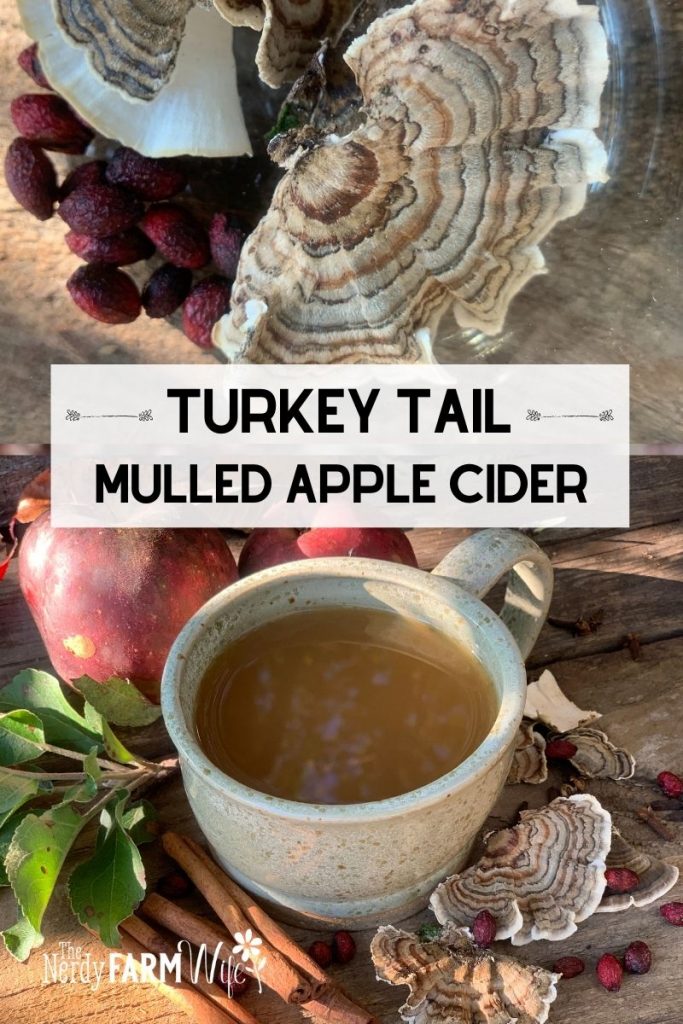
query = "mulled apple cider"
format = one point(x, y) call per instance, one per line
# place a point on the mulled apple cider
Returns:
point(343, 705)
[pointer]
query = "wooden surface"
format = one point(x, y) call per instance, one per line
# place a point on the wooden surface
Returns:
point(612, 292)
point(636, 578)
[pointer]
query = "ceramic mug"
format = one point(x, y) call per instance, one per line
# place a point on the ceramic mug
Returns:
point(359, 865)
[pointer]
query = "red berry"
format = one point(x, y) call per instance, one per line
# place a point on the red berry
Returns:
point(670, 784)
point(150, 178)
point(166, 290)
point(226, 235)
point(322, 953)
point(484, 928)
point(100, 210)
point(235, 980)
point(90, 173)
point(638, 958)
point(344, 946)
point(119, 250)
point(621, 879)
point(49, 120)
point(569, 966)
point(105, 293)
point(31, 178)
point(673, 913)
point(178, 236)
point(206, 303)
point(609, 972)
point(29, 62)
point(560, 749)
point(174, 884)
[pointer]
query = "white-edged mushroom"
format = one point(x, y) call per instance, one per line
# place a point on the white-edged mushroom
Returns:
point(529, 762)
point(545, 702)
point(182, 100)
point(597, 757)
point(477, 137)
point(656, 877)
point(451, 980)
point(292, 31)
point(539, 878)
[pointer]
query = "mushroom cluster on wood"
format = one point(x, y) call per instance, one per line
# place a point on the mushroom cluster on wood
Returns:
point(157, 75)
point(529, 762)
point(452, 980)
point(655, 876)
point(477, 138)
point(540, 878)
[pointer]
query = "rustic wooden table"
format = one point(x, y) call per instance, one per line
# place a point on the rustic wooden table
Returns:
point(636, 577)
point(612, 293)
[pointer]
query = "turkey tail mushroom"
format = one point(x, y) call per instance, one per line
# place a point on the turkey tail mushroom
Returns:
point(478, 137)
point(158, 75)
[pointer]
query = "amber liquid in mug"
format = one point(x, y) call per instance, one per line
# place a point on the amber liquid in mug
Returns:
point(343, 705)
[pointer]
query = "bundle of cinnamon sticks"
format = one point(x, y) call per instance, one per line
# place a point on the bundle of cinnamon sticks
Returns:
point(284, 967)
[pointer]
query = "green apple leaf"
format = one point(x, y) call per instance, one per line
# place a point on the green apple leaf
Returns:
point(36, 855)
point(21, 737)
point(41, 693)
point(107, 888)
point(21, 939)
point(16, 791)
point(118, 701)
point(137, 820)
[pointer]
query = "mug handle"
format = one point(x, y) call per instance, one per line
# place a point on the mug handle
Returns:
point(478, 562)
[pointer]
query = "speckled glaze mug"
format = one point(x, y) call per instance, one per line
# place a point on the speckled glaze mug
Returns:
point(359, 865)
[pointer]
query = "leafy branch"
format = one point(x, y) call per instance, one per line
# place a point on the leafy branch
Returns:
point(44, 809)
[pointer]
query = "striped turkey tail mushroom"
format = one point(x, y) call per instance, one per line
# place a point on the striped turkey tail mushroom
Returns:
point(157, 75)
point(476, 138)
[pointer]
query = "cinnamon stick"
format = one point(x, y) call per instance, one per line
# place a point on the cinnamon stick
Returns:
point(327, 1002)
point(185, 924)
point(277, 972)
point(153, 942)
point(333, 1007)
point(265, 926)
point(197, 1007)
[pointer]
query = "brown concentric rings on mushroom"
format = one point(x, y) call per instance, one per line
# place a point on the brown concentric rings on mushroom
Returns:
point(480, 118)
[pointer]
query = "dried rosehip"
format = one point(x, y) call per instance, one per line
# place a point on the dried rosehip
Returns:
point(105, 293)
point(49, 120)
point(560, 749)
point(638, 958)
point(569, 966)
point(670, 784)
point(609, 972)
point(150, 178)
point(484, 928)
point(226, 236)
point(235, 980)
point(177, 235)
point(90, 173)
point(31, 178)
point(344, 946)
point(119, 250)
point(673, 913)
point(321, 952)
point(100, 210)
point(174, 884)
point(166, 290)
point(206, 303)
point(621, 879)
point(29, 62)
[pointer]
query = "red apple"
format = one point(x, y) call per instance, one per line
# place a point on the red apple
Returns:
point(268, 547)
point(111, 602)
